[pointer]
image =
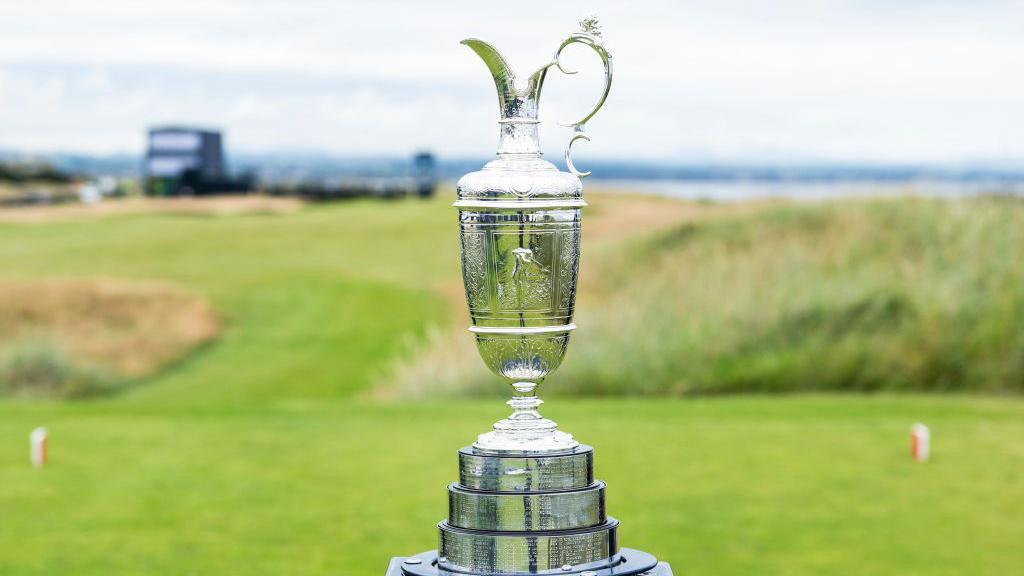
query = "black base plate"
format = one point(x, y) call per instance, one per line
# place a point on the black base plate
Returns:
point(633, 562)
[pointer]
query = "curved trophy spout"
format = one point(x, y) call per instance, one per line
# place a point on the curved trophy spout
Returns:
point(518, 104)
point(514, 102)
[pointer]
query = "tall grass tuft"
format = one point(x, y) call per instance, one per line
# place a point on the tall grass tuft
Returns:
point(41, 368)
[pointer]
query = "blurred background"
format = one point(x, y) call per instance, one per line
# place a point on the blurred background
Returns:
point(230, 290)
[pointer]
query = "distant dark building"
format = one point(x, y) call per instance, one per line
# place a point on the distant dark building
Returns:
point(187, 161)
point(425, 169)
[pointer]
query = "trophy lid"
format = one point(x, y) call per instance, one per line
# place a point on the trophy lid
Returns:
point(517, 184)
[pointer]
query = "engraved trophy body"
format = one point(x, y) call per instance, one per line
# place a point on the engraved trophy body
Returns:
point(526, 502)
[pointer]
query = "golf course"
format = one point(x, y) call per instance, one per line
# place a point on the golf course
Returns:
point(252, 386)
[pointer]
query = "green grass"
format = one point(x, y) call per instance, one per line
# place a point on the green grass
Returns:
point(253, 456)
point(792, 486)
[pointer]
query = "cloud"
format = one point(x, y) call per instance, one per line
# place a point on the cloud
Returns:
point(854, 80)
point(252, 107)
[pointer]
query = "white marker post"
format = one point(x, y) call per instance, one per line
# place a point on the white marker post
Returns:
point(37, 441)
point(920, 443)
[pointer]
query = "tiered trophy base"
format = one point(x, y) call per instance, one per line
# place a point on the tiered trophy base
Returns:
point(528, 514)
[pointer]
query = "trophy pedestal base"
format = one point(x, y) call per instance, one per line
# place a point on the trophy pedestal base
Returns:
point(425, 564)
point(528, 514)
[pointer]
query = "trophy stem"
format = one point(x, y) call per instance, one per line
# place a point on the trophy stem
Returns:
point(525, 403)
point(525, 430)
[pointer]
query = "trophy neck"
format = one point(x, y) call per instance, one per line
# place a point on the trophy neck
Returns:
point(519, 137)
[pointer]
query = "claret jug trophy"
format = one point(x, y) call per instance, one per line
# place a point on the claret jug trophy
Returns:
point(526, 502)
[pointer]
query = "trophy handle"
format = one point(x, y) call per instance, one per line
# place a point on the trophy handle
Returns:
point(590, 35)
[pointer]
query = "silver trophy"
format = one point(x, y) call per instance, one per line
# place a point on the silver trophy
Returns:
point(526, 501)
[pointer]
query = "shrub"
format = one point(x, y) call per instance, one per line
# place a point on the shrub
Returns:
point(42, 369)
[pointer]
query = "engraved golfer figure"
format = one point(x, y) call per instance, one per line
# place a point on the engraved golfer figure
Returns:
point(525, 266)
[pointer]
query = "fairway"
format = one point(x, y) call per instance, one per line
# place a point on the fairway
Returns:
point(261, 453)
point(792, 486)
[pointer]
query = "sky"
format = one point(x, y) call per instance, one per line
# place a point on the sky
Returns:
point(882, 81)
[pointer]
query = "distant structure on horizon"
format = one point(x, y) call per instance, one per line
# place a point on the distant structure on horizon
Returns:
point(358, 179)
point(183, 161)
point(425, 173)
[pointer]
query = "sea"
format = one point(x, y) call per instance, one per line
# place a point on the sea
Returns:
point(741, 190)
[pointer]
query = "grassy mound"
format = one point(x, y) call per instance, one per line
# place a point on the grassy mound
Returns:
point(907, 294)
point(77, 338)
point(855, 296)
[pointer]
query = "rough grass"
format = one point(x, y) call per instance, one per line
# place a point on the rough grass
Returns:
point(84, 337)
point(184, 206)
point(905, 294)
